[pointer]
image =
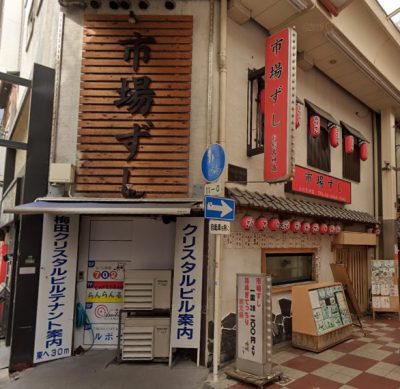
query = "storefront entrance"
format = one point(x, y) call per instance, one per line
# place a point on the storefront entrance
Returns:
point(355, 259)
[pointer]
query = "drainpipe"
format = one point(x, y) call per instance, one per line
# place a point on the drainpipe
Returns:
point(221, 141)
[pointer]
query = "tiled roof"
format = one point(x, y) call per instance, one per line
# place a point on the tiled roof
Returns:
point(262, 201)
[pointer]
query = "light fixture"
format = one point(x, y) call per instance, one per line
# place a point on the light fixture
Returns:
point(300, 5)
point(355, 56)
point(113, 4)
point(143, 4)
point(132, 17)
point(95, 4)
point(125, 4)
point(169, 4)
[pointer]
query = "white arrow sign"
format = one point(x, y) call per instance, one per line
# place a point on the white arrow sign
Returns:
point(224, 208)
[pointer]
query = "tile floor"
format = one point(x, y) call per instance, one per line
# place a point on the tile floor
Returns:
point(365, 362)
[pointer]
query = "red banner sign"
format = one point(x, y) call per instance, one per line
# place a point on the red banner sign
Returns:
point(280, 104)
point(317, 184)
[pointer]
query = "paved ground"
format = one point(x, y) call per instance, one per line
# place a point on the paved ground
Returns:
point(93, 370)
point(365, 362)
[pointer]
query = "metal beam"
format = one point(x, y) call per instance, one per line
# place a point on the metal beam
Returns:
point(15, 79)
point(10, 144)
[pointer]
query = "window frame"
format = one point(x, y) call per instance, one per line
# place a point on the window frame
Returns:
point(352, 173)
point(312, 160)
point(288, 287)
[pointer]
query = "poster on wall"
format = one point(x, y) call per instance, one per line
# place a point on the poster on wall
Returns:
point(384, 285)
point(57, 279)
point(188, 271)
point(105, 284)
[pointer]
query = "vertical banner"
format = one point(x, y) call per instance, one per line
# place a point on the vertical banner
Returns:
point(253, 323)
point(105, 283)
point(56, 302)
point(280, 105)
point(188, 270)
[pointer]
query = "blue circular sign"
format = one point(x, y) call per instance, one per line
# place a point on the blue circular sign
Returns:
point(213, 162)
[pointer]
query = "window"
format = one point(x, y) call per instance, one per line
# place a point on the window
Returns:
point(351, 162)
point(288, 267)
point(255, 118)
point(318, 149)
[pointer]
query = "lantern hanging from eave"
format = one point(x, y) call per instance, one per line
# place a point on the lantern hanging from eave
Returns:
point(315, 126)
point(285, 225)
point(261, 223)
point(262, 101)
point(334, 135)
point(295, 226)
point(349, 144)
point(338, 229)
point(331, 229)
point(314, 228)
point(298, 114)
point(273, 224)
point(323, 228)
point(363, 151)
point(305, 227)
point(376, 230)
point(247, 222)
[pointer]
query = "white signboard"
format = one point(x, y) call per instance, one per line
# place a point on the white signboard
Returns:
point(219, 227)
point(188, 270)
point(250, 317)
point(55, 312)
point(213, 189)
point(105, 284)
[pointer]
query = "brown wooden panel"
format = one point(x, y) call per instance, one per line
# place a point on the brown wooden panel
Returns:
point(160, 166)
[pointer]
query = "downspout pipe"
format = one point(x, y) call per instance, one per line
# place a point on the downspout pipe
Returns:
point(221, 141)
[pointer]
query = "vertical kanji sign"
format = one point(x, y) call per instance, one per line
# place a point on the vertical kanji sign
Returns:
point(280, 105)
point(55, 312)
point(188, 270)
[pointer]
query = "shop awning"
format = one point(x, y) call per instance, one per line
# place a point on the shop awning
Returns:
point(275, 204)
point(319, 111)
point(106, 207)
point(353, 131)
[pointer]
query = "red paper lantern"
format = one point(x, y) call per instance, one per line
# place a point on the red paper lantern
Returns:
point(363, 151)
point(247, 222)
point(273, 224)
point(338, 229)
point(261, 223)
point(3, 249)
point(323, 228)
point(315, 126)
point(285, 225)
point(314, 228)
point(298, 114)
point(305, 227)
point(376, 230)
point(295, 226)
point(349, 144)
point(331, 229)
point(262, 101)
point(334, 135)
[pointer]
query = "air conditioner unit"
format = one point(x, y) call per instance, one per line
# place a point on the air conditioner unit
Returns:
point(145, 338)
point(147, 289)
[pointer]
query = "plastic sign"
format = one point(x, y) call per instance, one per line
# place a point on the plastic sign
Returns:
point(219, 227)
point(219, 208)
point(280, 105)
point(213, 162)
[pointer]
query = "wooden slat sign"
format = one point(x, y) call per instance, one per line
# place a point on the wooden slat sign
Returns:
point(133, 137)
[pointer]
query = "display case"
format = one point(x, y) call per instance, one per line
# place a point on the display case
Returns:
point(321, 316)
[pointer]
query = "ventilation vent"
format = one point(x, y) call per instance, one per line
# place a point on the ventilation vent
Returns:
point(139, 294)
point(137, 342)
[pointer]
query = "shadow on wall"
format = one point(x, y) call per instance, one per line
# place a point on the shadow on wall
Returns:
point(281, 331)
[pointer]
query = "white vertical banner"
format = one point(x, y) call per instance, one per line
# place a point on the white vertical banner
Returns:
point(188, 271)
point(56, 301)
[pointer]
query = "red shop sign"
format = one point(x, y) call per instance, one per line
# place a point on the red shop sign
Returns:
point(318, 184)
point(280, 105)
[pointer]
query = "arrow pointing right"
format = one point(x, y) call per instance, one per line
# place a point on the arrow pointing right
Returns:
point(224, 208)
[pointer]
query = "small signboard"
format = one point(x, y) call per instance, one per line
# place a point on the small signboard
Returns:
point(219, 227)
point(214, 189)
point(213, 162)
point(219, 208)
point(254, 324)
